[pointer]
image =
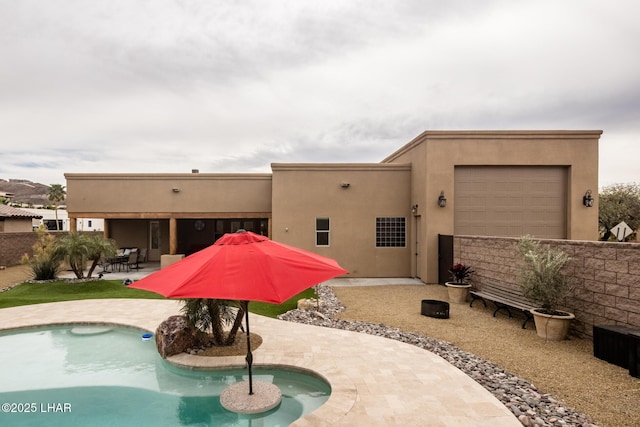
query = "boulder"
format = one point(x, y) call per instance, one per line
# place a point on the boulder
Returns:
point(308, 304)
point(175, 335)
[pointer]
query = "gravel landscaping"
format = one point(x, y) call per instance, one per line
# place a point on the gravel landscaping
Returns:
point(542, 383)
point(572, 388)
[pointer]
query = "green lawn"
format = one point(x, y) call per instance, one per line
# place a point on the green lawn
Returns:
point(36, 293)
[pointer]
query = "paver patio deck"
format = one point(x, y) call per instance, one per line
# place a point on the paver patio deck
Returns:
point(375, 381)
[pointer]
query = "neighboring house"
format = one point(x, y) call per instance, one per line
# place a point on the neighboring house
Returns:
point(47, 217)
point(377, 219)
point(5, 195)
point(13, 220)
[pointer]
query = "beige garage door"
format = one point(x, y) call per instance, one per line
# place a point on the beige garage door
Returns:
point(511, 201)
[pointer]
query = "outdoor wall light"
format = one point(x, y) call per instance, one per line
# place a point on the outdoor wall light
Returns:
point(442, 201)
point(414, 209)
point(587, 200)
point(345, 185)
point(175, 190)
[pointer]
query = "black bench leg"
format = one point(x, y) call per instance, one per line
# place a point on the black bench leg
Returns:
point(528, 316)
point(473, 298)
point(501, 307)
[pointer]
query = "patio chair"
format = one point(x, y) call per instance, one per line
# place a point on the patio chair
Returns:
point(132, 261)
point(142, 256)
point(104, 263)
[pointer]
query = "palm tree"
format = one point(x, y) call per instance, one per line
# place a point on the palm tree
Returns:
point(99, 247)
point(57, 195)
point(75, 248)
point(206, 314)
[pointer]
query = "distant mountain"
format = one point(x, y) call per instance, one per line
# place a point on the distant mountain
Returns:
point(26, 192)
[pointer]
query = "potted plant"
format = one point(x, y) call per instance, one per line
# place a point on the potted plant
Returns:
point(543, 283)
point(458, 289)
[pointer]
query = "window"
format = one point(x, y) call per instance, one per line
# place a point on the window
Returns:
point(391, 232)
point(154, 235)
point(50, 224)
point(322, 231)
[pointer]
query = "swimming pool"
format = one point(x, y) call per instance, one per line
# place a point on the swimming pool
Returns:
point(110, 376)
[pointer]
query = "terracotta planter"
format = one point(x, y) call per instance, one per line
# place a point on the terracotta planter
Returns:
point(458, 292)
point(552, 327)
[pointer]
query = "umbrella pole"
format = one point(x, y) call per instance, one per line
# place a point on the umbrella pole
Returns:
point(249, 357)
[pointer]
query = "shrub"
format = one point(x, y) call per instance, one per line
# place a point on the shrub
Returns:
point(540, 276)
point(460, 273)
point(46, 260)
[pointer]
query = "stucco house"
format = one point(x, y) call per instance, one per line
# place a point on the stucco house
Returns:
point(48, 218)
point(14, 220)
point(377, 219)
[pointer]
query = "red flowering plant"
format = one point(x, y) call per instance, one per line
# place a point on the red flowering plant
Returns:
point(460, 273)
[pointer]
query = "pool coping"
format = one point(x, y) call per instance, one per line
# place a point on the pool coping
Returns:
point(374, 380)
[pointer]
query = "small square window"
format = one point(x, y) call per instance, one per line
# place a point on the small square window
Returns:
point(391, 232)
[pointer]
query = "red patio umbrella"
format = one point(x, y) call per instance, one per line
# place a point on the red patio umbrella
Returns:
point(243, 266)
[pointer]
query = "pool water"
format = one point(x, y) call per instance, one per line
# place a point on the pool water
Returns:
point(110, 376)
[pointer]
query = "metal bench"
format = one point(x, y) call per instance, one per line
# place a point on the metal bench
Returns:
point(504, 299)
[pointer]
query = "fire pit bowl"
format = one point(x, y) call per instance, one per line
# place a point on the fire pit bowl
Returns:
point(435, 308)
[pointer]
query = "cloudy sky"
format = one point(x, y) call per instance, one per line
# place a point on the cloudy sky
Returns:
point(232, 86)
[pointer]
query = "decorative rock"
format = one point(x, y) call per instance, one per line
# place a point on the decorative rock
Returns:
point(524, 420)
point(308, 304)
point(526, 402)
point(175, 336)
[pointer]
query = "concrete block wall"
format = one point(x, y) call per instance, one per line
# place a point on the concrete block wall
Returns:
point(607, 276)
point(14, 245)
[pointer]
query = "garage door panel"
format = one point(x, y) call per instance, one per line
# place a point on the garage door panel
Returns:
point(510, 201)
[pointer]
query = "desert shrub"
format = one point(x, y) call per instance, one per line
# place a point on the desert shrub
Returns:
point(46, 260)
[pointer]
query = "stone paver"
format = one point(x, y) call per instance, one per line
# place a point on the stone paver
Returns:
point(375, 381)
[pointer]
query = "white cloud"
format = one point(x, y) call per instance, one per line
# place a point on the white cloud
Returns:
point(167, 86)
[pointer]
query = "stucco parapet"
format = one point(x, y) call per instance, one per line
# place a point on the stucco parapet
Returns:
point(167, 176)
point(376, 167)
point(435, 135)
point(511, 134)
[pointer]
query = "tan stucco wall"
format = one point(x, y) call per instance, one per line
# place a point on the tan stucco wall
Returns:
point(124, 199)
point(295, 194)
point(434, 155)
point(153, 193)
point(16, 225)
point(304, 192)
point(131, 233)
